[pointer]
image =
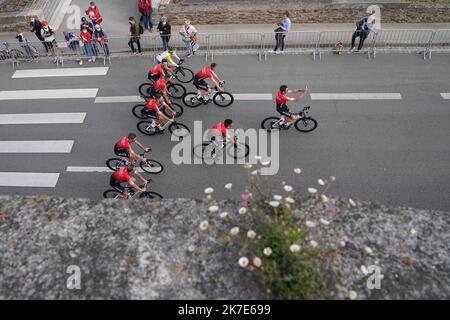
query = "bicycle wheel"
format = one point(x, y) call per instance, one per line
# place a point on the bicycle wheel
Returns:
point(115, 163)
point(184, 75)
point(179, 130)
point(190, 99)
point(175, 107)
point(112, 194)
point(269, 123)
point(238, 151)
point(146, 89)
point(146, 128)
point(17, 54)
point(150, 195)
point(176, 91)
point(306, 124)
point(152, 166)
point(138, 112)
point(223, 99)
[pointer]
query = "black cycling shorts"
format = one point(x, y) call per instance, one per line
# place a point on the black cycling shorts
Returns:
point(151, 113)
point(117, 185)
point(284, 110)
point(200, 84)
point(121, 152)
point(153, 78)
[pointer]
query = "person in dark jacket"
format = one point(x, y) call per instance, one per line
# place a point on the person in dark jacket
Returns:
point(363, 29)
point(36, 27)
point(135, 35)
point(165, 30)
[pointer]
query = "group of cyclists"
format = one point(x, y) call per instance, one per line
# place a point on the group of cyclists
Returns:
point(160, 100)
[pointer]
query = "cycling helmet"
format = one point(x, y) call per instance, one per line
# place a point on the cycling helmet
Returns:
point(164, 60)
point(228, 122)
point(171, 50)
point(98, 27)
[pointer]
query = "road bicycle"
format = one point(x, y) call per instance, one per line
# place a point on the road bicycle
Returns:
point(184, 75)
point(9, 53)
point(303, 123)
point(176, 90)
point(140, 112)
point(214, 149)
point(149, 165)
point(220, 99)
point(132, 193)
point(150, 127)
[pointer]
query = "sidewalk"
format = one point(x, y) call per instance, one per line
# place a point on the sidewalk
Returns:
point(256, 28)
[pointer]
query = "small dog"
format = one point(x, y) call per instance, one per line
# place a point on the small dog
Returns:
point(338, 48)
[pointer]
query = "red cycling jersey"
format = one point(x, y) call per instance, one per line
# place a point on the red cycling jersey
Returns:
point(220, 129)
point(281, 98)
point(157, 70)
point(205, 73)
point(124, 143)
point(160, 85)
point(153, 105)
point(122, 175)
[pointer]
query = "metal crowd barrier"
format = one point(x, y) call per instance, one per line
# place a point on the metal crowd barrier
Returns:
point(260, 44)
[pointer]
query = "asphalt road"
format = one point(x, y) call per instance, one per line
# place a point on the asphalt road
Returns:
point(392, 151)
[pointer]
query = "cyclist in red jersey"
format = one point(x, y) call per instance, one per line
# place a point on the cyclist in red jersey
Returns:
point(123, 147)
point(207, 73)
point(282, 99)
point(159, 70)
point(220, 131)
point(160, 86)
point(153, 108)
point(124, 175)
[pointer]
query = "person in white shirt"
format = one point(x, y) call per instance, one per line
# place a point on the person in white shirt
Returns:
point(284, 26)
point(189, 35)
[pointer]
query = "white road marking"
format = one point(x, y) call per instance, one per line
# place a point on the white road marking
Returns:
point(93, 169)
point(42, 118)
point(48, 94)
point(356, 96)
point(119, 99)
point(44, 146)
point(28, 179)
point(61, 72)
point(237, 96)
point(445, 95)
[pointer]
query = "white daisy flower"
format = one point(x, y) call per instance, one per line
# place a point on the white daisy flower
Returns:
point(289, 200)
point(313, 244)
point(297, 171)
point(413, 231)
point(267, 251)
point(310, 224)
point(277, 197)
point(229, 186)
point(321, 182)
point(324, 198)
point(324, 222)
point(223, 215)
point(243, 262)
point(312, 190)
point(352, 295)
point(294, 248)
point(204, 225)
point(209, 190)
point(368, 250)
point(234, 231)
point(242, 210)
point(288, 188)
point(274, 204)
point(213, 209)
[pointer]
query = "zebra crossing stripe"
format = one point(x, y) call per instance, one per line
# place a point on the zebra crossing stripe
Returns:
point(48, 94)
point(42, 118)
point(28, 179)
point(38, 146)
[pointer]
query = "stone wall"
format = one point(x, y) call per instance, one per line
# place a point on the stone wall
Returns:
point(155, 250)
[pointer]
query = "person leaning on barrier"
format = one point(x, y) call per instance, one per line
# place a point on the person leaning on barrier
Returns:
point(363, 28)
point(49, 40)
point(29, 49)
point(73, 43)
point(35, 27)
point(102, 38)
point(284, 26)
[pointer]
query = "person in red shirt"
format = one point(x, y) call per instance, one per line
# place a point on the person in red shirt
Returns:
point(154, 110)
point(200, 81)
point(94, 14)
point(282, 99)
point(219, 132)
point(124, 176)
point(159, 70)
point(160, 86)
point(123, 147)
point(86, 37)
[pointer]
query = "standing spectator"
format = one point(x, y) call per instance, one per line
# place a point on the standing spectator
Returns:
point(49, 40)
point(165, 30)
point(87, 41)
point(363, 29)
point(36, 27)
point(29, 49)
point(189, 37)
point(100, 36)
point(73, 43)
point(284, 26)
point(145, 8)
point(90, 28)
point(94, 14)
point(135, 35)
